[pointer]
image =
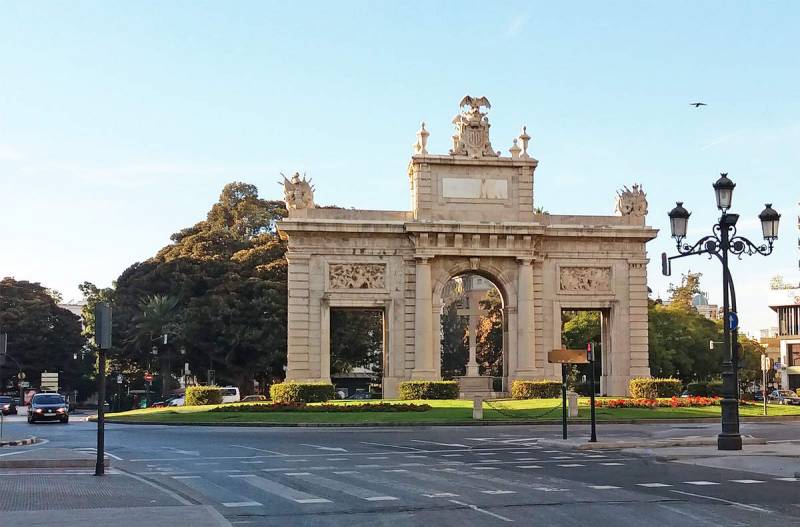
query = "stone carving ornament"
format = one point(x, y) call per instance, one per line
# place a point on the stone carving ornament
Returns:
point(472, 129)
point(297, 193)
point(590, 279)
point(357, 276)
point(632, 201)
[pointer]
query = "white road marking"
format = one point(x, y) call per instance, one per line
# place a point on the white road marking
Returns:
point(746, 481)
point(242, 504)
point(412, 464)
point(459, 445)
point(481, 461)
point(701, 483)
point(185, 477)
point(484, 511)
point(368, 466)
point(485, 453)
point(260, 450)
point(452, 455)
point(485, 468)
point(345, 472)
point(184, 452)
point(381, 498)
point(735, 503)
point(171, 494)
point(603, 487)
point(396, 470)
point(562, 457)
point(279, 490)
point(613, 464)
point(417, 457)
point(390, 446)
point(347, 488)
point(495, 492)
point(205, 464)
point(253, 462)
point(441, 495)
point(519, 453)
point(528, 466)
point(227, 471)
point(297, 473)
point(596, 456)
point(93, 450)
point(326, 448)
point(786, 479)
point(336, 459)
point(378, 457)
point(295, 460)
point(653, 485)
point(526, 459)
point(571, 465)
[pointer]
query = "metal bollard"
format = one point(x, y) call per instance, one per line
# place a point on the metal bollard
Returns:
point(477, 407)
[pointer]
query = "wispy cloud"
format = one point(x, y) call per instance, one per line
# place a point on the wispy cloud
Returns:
point(715, 142)
point(517, 23)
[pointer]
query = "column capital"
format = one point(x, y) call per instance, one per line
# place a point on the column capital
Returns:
point(423, 259)
point(526, 260)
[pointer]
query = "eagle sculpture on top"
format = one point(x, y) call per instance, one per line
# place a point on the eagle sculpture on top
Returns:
point(475, 102)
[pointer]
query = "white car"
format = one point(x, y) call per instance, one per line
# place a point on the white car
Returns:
point(230, 394)
point(178, 401)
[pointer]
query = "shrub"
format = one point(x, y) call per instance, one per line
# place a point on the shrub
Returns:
point(302, 392)
point(200, 395)
point(338, 408)
point(697, 389)
point(652, 388)
point(535, 389)
point(428, 390)
point(673, 402)
point(715, 389)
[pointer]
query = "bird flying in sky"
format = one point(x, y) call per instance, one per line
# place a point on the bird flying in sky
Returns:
point(697, 104)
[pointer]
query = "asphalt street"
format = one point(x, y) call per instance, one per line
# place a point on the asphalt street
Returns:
point(486, 475)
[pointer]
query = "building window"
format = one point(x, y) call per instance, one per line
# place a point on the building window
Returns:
point(789, 320)
point(793, 354)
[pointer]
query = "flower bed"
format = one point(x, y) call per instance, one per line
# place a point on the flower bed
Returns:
point(674, 402)
point(338, 408)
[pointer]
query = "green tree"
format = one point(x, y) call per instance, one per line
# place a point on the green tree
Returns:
point(681, 296)
point(455, 342)
point(356, 340)
point(489, 335)
point(41, 335)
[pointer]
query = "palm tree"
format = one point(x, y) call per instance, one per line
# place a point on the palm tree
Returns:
point(159, 316)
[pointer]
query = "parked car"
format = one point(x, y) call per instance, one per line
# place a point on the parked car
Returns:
point(177, 401)
point(784, 397)
point(254, 399)
point(7, 405)
point(48, 406)
point(230, 394)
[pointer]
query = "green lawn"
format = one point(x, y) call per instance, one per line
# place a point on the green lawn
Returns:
point(449, 411)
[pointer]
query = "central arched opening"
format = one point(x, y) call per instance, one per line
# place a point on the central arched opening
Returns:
point(473, 332)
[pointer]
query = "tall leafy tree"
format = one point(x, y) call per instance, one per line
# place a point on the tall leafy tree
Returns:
point(681, 296)
point(489, 335)
point(41, 335)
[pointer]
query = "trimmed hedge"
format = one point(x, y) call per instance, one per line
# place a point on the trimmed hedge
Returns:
point(302, 392)
point(697, 389)
point(428, 390)
point(535, 389)
point(201, 395)
point(715, 389)
point(653, 387)
point(336, 408)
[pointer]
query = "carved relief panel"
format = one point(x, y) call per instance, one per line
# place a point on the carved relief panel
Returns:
point(357, 276)
point(585, 280)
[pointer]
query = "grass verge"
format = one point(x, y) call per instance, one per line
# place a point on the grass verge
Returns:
point(448, 411)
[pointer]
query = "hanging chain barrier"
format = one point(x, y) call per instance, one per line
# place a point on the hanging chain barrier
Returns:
point(506, 413)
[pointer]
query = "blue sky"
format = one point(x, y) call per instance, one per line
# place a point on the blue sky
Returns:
point(121, 122)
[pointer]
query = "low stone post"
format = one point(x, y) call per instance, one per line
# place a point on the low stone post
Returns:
point(572, 403)
point(477, 407)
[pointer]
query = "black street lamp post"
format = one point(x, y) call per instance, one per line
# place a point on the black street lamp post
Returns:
point(723, 242)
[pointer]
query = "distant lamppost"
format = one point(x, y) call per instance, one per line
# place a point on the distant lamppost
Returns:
point(723, 242)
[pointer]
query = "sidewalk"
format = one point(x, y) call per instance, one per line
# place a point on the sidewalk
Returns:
point(181, 516)
point(44, 457)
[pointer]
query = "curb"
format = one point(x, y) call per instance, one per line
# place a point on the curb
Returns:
point(645, 443)
point(20, 442)
point(586, 422)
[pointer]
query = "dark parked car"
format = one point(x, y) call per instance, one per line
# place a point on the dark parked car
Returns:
point(784, 397)
point(7, 405)
point(48, 407)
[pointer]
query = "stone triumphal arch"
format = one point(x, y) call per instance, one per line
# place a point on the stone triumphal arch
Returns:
point(472, 210)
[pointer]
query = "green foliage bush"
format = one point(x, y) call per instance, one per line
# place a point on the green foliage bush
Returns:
point(535, 389)
point(302, 392)
point(200, 395)
point(428, 390)
point(652, 388)
point(715, 389)
point(697, 389)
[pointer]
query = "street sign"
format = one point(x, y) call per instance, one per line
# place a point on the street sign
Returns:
point(21, 375)
point(102, 323)
point(565, 356)
point(148, 377)
point(733, 321)
point(766, 363)
point(778, 366)
point(24, 384)
point(49, 381)
point(119, 379)
point(666, 267)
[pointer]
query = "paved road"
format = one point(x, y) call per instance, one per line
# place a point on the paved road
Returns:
point(443, 476)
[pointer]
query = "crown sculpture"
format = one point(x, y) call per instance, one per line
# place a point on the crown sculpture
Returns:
point(632, 201)
point(297, 193)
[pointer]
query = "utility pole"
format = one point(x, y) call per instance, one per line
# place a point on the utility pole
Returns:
point(590, 356)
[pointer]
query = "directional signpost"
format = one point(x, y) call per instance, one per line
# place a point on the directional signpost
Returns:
point(102, 339)
point(564, 357)
point(766, 365)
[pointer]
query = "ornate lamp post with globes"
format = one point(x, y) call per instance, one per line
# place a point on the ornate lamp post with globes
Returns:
point(723, 242)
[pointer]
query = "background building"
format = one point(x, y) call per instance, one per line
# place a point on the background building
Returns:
point(784, 299)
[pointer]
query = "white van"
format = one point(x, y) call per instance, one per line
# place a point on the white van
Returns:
point(230, 394)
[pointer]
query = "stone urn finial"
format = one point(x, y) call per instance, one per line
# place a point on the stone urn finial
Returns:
point(525, 138)
point(421, 146)
point(515, 150)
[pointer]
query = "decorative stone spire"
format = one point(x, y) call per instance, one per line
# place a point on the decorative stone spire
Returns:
point(472, 129)
point(525, 138)
point(297, 193)
point(515, 150)
point(632, 201)
point(420, 147)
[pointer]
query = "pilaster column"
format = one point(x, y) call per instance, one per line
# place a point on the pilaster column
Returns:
point(525, 315)
point(423, 318)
